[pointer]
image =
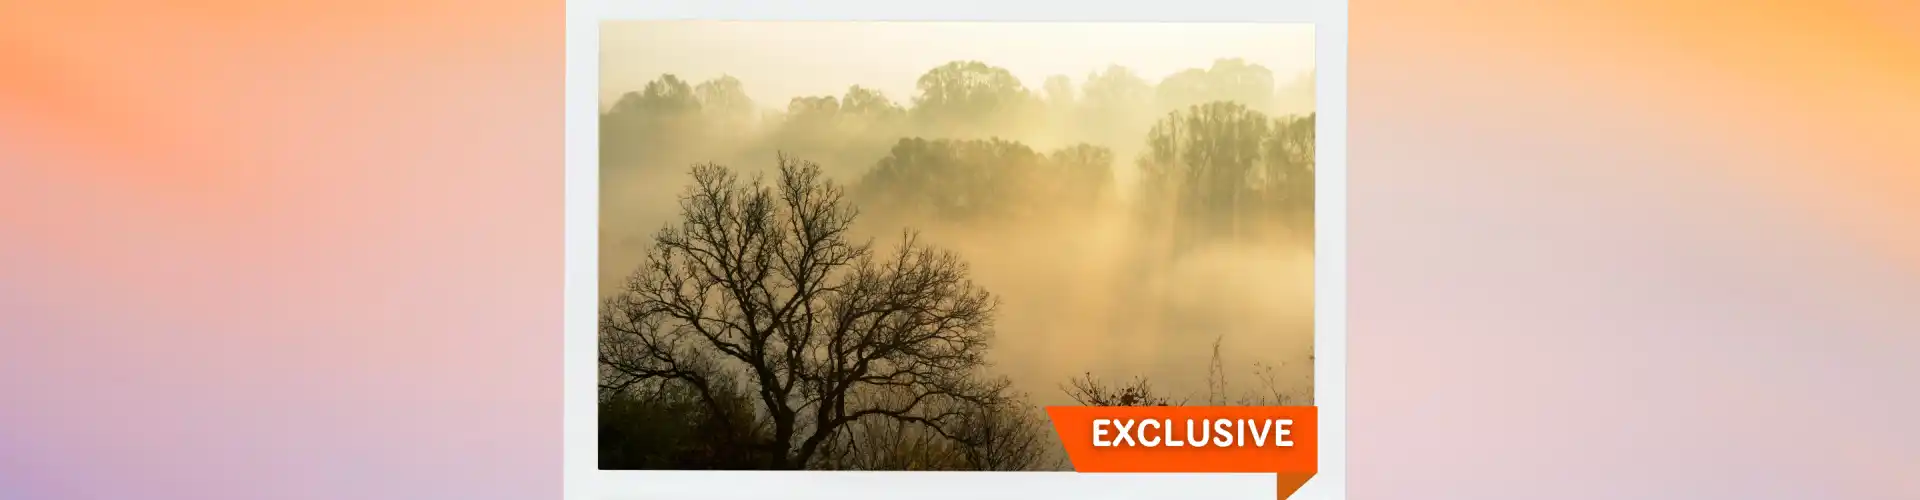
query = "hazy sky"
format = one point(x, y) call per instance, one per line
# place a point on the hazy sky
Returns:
point(781, 60)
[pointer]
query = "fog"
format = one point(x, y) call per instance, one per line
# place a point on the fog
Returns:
point(1086, 281)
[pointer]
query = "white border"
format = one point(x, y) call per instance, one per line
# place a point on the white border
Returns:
point(584, 481)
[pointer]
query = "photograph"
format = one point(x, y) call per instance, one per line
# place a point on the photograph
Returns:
point(888, 246)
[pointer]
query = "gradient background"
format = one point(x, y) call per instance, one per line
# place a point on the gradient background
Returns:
point(1597, 249)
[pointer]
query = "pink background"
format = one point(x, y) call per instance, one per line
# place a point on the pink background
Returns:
point(1616, 249)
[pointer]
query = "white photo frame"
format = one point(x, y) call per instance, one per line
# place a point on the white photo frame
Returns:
point(582, 479)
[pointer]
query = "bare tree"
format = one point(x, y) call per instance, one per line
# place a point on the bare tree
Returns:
point(1009, 437)
point(1271, 388)
point(1090, 391)
point(763, 282)
point(1216, 376)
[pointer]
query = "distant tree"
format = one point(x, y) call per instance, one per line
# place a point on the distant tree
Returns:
point(1084, 171)
point(1115, 105)
point(982, 179)
point(1237, 80)
point(1184, 88)
point(1234, 80)
point(849, 132)
point(725, 100)
point(1060, 93)
point(1061, 104)
point(668, 95)
point(1116, 88)
point(1200, 167)
point(641, 124)
point(1287, 182)
point(950, 179)
point(810, 126)
point(763, 283)
point(971, 98)
point(871, 104)
point(812, 121)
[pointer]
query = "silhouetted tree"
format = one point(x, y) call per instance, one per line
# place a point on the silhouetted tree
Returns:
point(762, 282)
point(1008, 437)
point(1269, 391)
point(1090, 391)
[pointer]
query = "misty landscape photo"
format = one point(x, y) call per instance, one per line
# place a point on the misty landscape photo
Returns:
point(887, 246)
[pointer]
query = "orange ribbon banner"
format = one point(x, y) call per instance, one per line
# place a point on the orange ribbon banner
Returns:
point(1279, 439)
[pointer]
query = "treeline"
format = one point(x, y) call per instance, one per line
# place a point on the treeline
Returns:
point(1212, 157)
point(961, 99)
